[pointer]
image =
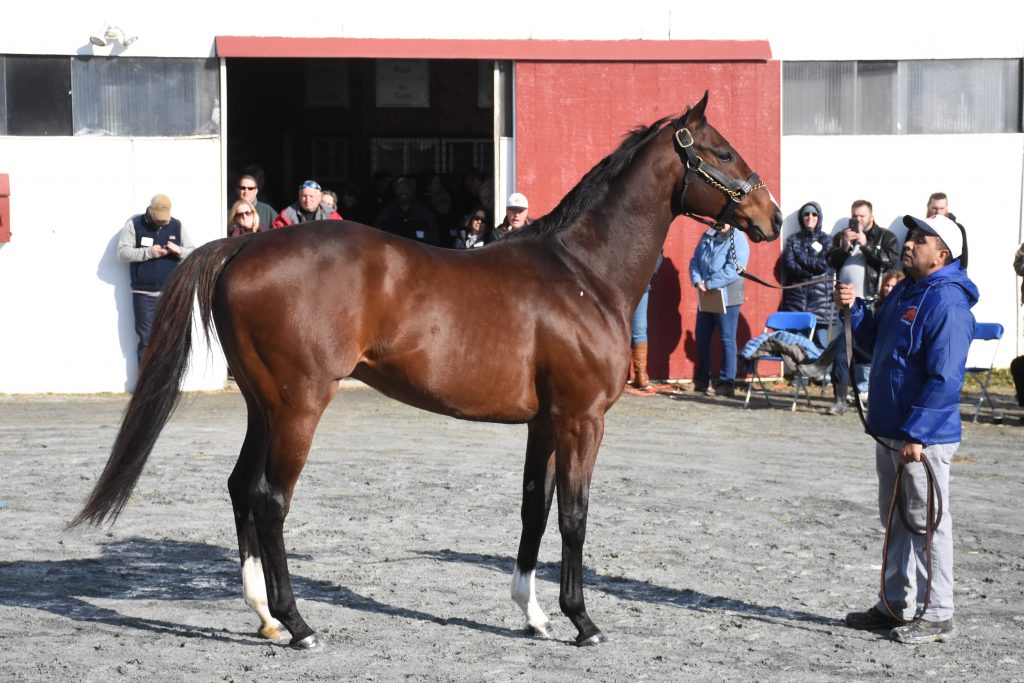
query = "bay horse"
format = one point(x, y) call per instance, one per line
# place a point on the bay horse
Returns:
point(533, 329)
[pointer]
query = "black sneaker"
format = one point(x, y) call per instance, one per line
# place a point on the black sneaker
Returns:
point(922, 631)
point(872, 620)
point(727, 390)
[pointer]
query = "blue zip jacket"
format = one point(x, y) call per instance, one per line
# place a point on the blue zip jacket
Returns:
point(712, 265)
point(920, 338)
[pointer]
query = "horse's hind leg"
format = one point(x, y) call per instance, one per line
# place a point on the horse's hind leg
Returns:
point(578, 438)
point(291, 428)
point(251, 461)
point(538, 486)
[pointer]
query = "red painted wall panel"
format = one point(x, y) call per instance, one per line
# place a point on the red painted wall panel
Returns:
point(570, 115)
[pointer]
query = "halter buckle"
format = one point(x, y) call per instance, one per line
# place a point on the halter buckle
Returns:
point(679, 139)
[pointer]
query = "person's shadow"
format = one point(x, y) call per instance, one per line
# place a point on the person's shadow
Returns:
point(664, 324)
point(115, 273)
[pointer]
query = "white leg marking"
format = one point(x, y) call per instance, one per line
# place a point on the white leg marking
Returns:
point(524, 593)
point(254, 589)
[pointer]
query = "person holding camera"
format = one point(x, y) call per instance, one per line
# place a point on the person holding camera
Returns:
point(861, 254)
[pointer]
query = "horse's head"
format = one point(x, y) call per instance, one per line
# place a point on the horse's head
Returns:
point(718, 186)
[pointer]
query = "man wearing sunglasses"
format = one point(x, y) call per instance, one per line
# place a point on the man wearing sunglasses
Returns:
point(307, 208)
point(248, 189)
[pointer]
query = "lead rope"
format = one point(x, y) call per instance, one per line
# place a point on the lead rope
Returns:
point(753, 278)
point(934, 500)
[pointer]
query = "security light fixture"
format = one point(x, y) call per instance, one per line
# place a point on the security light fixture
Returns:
point(111, 35)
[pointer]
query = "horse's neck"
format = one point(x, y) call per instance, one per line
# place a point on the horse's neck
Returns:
point(626, 229)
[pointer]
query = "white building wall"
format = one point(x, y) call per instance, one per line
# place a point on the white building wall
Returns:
point(67, 308)
point(67, 323)
point(980, 173)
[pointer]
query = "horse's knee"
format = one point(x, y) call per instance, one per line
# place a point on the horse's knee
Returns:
point(572, 525)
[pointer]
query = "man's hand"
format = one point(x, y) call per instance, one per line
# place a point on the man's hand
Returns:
point(158, 251)
point(173, 248)
point(911, 452)
point(845, 296)
point(852, 238)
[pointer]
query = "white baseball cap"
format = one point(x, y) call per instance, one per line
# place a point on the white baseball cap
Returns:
point(517, 201)
point(943, 228)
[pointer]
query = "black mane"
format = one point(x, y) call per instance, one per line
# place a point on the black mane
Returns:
point(592, 186)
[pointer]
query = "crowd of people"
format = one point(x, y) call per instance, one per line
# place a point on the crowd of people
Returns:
point(420, 208)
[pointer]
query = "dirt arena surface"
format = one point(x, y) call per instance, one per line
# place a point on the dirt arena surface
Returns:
point(723, 545)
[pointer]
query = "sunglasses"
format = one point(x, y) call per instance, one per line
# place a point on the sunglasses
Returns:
point(310, 183)
point(247, 188)
point(244, 213)
point(809, 213)
point(478, 218)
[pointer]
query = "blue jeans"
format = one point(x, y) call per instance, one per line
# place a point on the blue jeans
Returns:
point(145, 310)
point(638, 323)
point(726, 324)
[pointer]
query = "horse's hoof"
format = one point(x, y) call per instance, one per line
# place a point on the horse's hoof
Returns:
point(310, 642)
point(595, 639)
point(545, 630)
point(272, 632)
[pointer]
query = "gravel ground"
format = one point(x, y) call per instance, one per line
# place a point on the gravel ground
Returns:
point(724, 544)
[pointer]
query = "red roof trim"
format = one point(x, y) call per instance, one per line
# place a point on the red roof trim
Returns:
point(518, 50)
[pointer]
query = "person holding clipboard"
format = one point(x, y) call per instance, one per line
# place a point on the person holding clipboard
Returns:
point(714, 273)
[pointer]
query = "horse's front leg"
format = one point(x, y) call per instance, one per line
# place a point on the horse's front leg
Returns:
point(538, 487)
point(578, 438)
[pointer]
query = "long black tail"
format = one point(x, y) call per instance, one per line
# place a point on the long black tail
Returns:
point(161, 372)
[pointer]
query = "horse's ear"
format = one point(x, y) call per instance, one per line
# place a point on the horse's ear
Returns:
point(695, 115)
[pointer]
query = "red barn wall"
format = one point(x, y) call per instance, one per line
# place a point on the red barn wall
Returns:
point(570, 115)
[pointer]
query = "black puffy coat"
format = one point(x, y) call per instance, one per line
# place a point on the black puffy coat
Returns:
point(805, 258)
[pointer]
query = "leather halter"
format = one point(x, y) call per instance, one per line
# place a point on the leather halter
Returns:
point(734, 189)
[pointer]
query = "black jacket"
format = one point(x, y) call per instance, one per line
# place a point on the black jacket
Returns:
point(805, 257)
point(880, 253)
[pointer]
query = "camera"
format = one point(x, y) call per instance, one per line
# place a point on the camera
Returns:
point(854, 225)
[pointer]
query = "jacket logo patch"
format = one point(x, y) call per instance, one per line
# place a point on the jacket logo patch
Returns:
point(910, 314)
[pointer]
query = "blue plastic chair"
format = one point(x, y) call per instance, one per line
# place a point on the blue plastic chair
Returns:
point(984, 332)
point(797, 322)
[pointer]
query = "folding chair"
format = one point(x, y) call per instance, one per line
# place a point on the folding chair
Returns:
point(984, 332)
point(797, 322)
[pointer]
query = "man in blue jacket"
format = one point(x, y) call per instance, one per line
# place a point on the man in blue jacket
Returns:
point(920, 338)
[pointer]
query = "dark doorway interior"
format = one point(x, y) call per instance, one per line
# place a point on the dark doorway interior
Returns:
point(341, 121)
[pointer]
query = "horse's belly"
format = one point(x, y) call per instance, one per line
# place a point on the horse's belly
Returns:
point(456, 391)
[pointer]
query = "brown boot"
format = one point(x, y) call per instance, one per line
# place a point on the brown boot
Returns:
point(640, 378)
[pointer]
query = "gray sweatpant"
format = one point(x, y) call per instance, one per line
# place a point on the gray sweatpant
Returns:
point(906, 571)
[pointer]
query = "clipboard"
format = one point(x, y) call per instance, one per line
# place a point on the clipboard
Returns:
point(711, 301)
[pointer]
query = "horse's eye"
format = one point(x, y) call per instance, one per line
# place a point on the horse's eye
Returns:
point(725, 156)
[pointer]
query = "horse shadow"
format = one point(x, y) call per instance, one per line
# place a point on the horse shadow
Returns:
point(167, 570)
point(635, 590)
